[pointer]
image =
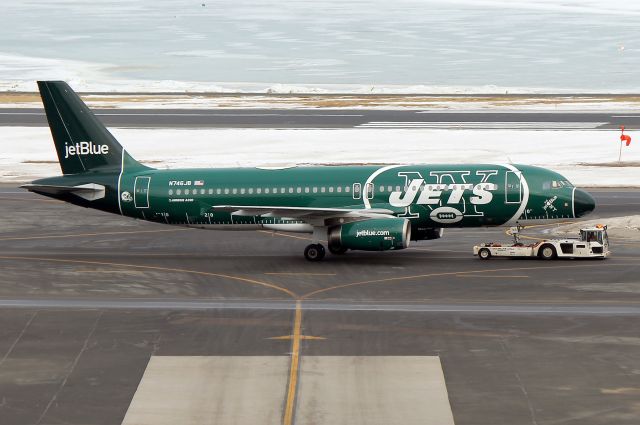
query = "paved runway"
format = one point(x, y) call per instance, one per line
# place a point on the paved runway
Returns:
point(87, 299)
point(338, 118)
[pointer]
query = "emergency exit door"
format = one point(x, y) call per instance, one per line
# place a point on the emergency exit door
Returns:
point(513, 187)
point(141, 192)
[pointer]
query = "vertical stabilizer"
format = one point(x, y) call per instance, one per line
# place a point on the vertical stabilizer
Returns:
point(82, 142)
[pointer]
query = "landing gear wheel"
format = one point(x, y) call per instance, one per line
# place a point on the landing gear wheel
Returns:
point(337, 250)
point(547, 252)
point(484, 254)
point(314, 252)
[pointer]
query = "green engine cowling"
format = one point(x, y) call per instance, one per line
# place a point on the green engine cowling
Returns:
point(379, 234)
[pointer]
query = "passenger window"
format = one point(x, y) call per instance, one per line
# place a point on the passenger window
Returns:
point(315, 190)
point(347, 189)
point(235, 191)
point(339, 189)
point(178, 192)
point(330, 189)
point(210, 191)
point(266, 190)
point(242, 191)
point(323, 189)
point(201, 191)
point(381, 189)
point(226, 191)
point(218, 191)
point(298, 190)
point(259, 190)
point(170, 191)
point(290, 190)
point(250, 190)
point(306, 190)
point(186, 191)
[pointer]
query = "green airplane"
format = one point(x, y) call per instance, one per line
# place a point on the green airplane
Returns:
point(371, 208)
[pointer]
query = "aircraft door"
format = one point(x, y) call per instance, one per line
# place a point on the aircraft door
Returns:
point(513, 187)
point(141, 192)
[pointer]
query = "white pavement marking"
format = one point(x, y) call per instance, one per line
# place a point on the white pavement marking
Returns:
point(210, 390)
point(483, 125)
point(372, 390)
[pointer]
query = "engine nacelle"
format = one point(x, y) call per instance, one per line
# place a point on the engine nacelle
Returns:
point(378, 234)
point(426, 233)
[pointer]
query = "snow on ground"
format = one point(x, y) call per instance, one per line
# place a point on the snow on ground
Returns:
point(28, 152)
point(441, 103)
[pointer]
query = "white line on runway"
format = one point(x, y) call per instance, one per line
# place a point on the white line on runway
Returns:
point(487, 308)
point(173, 114)
point(482, 124)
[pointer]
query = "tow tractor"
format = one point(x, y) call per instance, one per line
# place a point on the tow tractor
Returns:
point(593, 243)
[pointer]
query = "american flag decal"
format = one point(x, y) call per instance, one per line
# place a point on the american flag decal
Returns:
point(199, 183)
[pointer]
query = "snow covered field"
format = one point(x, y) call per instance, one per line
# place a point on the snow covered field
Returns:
point(282, 100)
point(587, 158)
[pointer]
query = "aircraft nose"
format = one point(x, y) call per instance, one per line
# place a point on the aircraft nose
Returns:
point(583, 203)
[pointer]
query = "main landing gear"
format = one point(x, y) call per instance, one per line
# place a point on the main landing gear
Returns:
point(314, 252)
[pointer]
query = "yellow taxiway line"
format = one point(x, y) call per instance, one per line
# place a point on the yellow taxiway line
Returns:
point(295, 363)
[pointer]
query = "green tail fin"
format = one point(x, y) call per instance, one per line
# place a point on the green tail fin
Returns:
point(82, 142)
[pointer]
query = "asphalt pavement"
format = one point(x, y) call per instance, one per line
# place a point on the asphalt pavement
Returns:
point(88, 300)
point(338, 118)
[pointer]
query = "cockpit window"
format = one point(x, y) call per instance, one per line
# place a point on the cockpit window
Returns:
point(556, 184)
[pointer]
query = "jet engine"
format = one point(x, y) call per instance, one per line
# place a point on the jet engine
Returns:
point(378, 234)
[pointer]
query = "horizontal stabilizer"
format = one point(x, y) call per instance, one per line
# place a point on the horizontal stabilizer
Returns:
point(89, 191)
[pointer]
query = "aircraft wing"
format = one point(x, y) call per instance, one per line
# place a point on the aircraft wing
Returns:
point(90, 191)
point(304, 213)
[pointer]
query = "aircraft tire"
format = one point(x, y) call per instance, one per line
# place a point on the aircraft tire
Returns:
point(484, 254)
point(314, 252)
point(547, 252)
point(337, 250)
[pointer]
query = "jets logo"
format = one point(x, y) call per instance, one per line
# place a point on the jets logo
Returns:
point(449, 202)
point(85, 148)
point(126, 197)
